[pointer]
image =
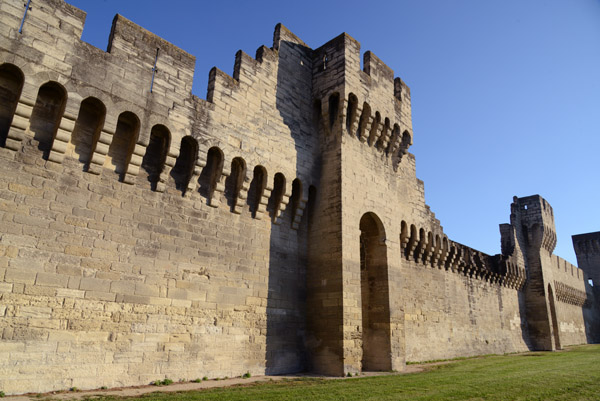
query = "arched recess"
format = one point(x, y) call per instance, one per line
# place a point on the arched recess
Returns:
point(123, 142)
point(295, 199)
point(334, 108)
point(156, 153)
point(362, 122)
point(555, 332)
point(374, 129)
point(184, 165)
point(211, 173)
point(11, 85)
point(351, 111)
point(86, 132)
point(233, 183)
point(46, 114)
point(277, 193)
point(375, 301)
point(257, 187)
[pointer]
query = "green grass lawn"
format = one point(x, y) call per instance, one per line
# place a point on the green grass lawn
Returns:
point(566, 375)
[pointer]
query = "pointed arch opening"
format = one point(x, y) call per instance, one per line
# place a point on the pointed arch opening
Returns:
point(233, 183)
point(156, 153)
point(11, 85)
point(555, 328)
point(86, 132)
point(375, 302)
point(46, 114)
point(184, 165)
point(123, 142)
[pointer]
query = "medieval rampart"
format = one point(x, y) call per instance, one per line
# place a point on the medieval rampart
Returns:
point(277, 226)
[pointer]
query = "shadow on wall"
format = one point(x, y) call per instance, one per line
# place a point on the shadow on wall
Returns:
point(523, 315)
point(288, 250)
point(591, 313)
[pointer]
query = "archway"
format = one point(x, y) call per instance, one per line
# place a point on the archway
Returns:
point(375, 301)
point(46, 114)
point(122, 143)
point(186, 161)
point(11, 84)
point(87, 130)
point(554, 319)
point(156, 154)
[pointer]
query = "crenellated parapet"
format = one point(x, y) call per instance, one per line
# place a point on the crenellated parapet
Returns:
point(536, 218)
point(587, 250)
point(369, 105)
point(129, 112)
point(587, 244)
point(437, 251)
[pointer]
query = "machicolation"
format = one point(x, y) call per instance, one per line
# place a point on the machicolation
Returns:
point(277, 226)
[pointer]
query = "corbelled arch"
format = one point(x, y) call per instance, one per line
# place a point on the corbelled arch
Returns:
point(86, 131)
point(11, 85)
point(185, 164)
point(156, 153)
point(46, 114)
point(122, 144)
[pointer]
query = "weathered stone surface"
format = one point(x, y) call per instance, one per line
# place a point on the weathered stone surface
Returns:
point(276, 227)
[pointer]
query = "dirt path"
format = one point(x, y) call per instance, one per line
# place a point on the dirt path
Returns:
point(187, 386)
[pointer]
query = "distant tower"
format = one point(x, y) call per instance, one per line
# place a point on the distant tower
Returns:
point(587, 249)
point(533, 220)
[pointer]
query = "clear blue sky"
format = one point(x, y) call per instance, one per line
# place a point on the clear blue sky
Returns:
point(505, 94)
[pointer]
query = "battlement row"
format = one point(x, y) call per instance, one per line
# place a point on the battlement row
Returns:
point(587, 243)
point(96, 143)
point(142, 74)
point(437, 251)
point(62, 26)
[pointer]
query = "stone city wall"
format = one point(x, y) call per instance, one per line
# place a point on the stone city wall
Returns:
point(277, 226)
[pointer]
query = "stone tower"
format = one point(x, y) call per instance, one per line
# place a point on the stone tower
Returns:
point(533, 219)
point(277, 226)
point(365, 129)
point(587, 250)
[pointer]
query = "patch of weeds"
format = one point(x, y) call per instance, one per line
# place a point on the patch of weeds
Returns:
point(103, 388)
point(204, 378)
point(246, 375)
point(2, 395)
point(198, 380)
point(164, 382)
point(349, 374)
point(74, 389)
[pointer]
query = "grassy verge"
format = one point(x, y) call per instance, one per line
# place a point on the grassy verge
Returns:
point(568, 375)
